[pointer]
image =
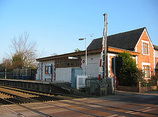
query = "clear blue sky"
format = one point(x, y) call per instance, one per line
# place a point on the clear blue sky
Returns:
point(56, 25)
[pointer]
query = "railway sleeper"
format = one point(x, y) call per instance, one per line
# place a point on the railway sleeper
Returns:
point(4, 102)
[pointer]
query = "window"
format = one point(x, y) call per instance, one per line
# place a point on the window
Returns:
point(145, 48)
point(146, 69)
point(72, 63)
point(57, 64)
point(62, 64)
point(67, 63)
point(48, 69)
point(156, 54)
point(77, 63)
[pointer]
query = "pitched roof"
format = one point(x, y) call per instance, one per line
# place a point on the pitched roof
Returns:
point(125, 40)
point(155, 47)
point(65, 56)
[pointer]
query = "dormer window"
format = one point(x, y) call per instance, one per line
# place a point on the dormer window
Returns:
point(145, 47)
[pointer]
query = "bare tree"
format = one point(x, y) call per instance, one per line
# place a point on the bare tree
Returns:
point(23, 52)
point(7, 63)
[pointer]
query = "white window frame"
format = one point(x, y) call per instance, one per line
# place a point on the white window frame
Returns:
point(147, 42)
point(48, 69)
point(147, 64)
point(156, 53)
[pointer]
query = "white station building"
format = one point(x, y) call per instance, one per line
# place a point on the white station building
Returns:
point(61, 67)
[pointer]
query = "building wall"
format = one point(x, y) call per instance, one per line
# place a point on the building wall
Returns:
point(156, 62)
point(110, 71)
point(145, 59)
point(48, 77)
point(92, 65)
point(63, 74)
point(58, 74)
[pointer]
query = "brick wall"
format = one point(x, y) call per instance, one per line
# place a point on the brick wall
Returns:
point(145, 58)
point(111, 74)
point(138, 88)
point(156, 64)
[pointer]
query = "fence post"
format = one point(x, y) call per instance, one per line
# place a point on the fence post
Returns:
point(139, 86)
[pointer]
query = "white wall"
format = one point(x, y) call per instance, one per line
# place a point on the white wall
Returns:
point(92, 65)
point(47, 77)
point(63, 74)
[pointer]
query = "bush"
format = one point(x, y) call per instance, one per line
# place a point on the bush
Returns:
point(140, 78)
point(129, 74)
point(153, 80)
point(144, 84)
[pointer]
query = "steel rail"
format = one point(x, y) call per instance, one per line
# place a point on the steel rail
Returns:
point(51, 105)
point(41, 93)
point(38, 112)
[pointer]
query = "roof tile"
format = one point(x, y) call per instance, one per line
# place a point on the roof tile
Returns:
point(125, 40)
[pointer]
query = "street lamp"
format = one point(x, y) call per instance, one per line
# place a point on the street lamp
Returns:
point(85, 54)
point(6, 70)
point(39, 68)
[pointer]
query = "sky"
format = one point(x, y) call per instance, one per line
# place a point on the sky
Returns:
point(57, 25)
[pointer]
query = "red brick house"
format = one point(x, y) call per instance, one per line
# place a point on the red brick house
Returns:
point(136, 42)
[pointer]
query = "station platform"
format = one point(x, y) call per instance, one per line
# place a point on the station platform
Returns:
point(42, 86)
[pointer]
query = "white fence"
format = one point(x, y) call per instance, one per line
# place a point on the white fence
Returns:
point(80, 83)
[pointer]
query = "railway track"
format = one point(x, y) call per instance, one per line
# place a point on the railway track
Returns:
point(11, 95)
point(24, 96)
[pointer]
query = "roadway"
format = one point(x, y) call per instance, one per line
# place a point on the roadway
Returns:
point(124, 104)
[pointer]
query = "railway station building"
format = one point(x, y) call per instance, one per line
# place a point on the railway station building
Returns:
point(137, 42)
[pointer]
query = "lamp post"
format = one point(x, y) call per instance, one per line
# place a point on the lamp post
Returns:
point(6, 70)
point(85, 54)
point(5, 73)
point(39, 66)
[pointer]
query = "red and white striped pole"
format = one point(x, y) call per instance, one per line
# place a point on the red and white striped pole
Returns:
point(105, 47)
point(104, 44)
point(101, 58)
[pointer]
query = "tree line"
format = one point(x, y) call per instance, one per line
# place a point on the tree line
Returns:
point(22, 53)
